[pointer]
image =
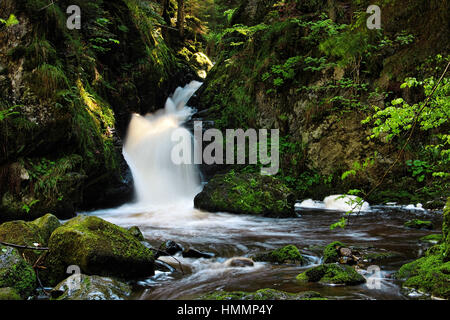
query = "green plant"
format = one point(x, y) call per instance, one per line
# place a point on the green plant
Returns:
point(11, 21)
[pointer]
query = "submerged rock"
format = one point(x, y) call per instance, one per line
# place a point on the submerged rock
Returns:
point(419, 224)
point(288, 254)
point(262, 294)
point(193, 253)
point(171, 247)
point(244, 193)
point(332, 274)
point(239, 262)
point(15, 273)
point(97, 247)
point(83, 287)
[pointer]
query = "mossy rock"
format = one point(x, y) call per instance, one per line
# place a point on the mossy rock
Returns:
point(288, 254)
point(446, 231)
point(136, 232)
point(47, 224)
point(432, 238)
point(419, 224)
point(244, 193)
point(15, 273)
point(332, 274)
point(27, 233)
point(429, 274)
point(380, 256)
point(262, 294)
point(83, 287)
point(331, 252)
point(97, 247)
point(9, 294)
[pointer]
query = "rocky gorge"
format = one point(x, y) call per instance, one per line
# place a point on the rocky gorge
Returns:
point(343, 98)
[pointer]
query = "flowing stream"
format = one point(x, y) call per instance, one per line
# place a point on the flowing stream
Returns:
point(164, 210)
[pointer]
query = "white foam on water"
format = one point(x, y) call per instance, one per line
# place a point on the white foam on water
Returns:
point(342, 203)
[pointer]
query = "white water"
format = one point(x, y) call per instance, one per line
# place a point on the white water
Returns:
point(158, 180)
point(343, 203)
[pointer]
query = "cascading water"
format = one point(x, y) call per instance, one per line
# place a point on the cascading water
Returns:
point(148, 147)
point(164, 211)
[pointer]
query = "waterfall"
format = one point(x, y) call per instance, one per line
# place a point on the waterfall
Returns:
point(147, 150)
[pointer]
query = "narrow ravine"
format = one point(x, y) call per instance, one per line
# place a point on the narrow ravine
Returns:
point(164, 210)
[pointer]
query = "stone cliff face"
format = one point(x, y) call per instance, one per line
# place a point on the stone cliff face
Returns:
point(71, 93)
point(291, 66)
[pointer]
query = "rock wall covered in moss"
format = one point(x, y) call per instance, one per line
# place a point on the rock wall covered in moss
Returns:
point(71, 93)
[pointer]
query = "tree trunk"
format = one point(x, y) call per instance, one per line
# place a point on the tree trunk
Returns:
point(180, 20)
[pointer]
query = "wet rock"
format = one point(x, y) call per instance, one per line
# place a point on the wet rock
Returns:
point(171, 247)
point(262, 294)
point(331, 252)
point(244, 193)
point(15, 273)
point(47, 224)
point(83, 287)
point(136, 232)
point(239, 262)
point(9, 294)
point(429, 274)
point(193, 253)
point(419, 224)
point(288, 255)
point(446, 231)
point(97, 247)
point(331, 274)
point(432, 238)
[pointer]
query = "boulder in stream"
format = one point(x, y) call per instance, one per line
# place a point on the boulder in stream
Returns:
point(83, 287)
point(419, 224)
point(288, 255)
point(246, 193)
point(262, 294)
point(97, 247)
point(331, 274)
point(15, 272)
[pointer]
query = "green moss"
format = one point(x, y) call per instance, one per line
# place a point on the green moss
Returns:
point(419, 224)
point(15, 272)
point(97, 247)
point(428, 274)
point(331, 252)
point(379, 256)
point(446, 231)
point(287, 254)
point(262, 294)
point(9, 294)
point(332, 274)
point(432, 238)
point(246, 194)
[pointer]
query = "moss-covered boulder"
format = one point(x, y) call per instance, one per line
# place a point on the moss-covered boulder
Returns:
point(83, 287)
point(98, 248)
point(331, 252)
point(419, 224)
point(262, 294)
point(331, 274)
point(429, 274)
point(15, 273)
point(28, 233)
point(47, 224)
point(446, 231)
point(22, 233)
point(288, 254)
point(245, 193)
point(136, 232)
point(9, 294)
